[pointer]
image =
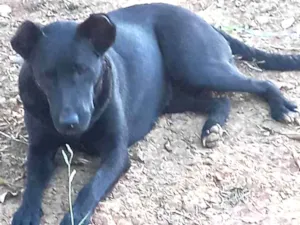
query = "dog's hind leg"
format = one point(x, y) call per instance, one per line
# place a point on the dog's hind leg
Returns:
point(225, 77)
point(199, 57)
point(217, 109)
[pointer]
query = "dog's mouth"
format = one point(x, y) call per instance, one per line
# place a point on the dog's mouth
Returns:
point(71, 132)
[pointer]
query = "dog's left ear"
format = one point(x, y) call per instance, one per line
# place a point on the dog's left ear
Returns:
point(99, 30)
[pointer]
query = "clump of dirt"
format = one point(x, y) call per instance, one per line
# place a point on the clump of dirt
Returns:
point(252, 177)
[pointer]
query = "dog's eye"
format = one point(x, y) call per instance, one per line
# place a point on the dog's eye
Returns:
point(80, 69)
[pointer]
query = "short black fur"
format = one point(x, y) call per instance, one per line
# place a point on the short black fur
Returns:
point(103, 83)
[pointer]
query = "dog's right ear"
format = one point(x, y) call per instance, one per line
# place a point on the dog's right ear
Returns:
point(99, 30)
point(25, 38)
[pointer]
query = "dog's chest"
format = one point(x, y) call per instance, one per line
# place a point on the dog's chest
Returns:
point(81, 146)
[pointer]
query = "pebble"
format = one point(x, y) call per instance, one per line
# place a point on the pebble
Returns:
point(103, 219)
point(287, 22)
point(16, 59)
point(124, 222)
point(262, 19)
point(5, 10)
point(137, 221)
point(138, 155)
point(2, 100)
point(175, 203)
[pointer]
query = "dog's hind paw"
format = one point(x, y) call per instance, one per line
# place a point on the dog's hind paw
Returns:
point(213, 136)
point(292, 118)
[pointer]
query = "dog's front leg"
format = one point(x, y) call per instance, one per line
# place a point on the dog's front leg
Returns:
point(40, 167)
point(115, 163)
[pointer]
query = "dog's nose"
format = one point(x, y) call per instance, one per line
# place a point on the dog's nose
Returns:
point(69, 121)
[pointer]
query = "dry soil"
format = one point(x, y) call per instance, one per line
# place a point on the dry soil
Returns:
point(252, 177)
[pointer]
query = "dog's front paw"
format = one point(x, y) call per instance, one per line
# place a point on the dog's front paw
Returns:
point(285, 111)
point(78, 219)
point(27, 216)
point(291, 118)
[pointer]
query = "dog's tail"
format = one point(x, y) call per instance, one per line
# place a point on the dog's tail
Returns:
point(264, 60)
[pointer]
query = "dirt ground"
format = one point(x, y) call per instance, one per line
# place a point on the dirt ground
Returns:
point(252, 177)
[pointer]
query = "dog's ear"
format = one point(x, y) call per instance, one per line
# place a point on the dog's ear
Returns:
point(25, 38)
point(99, 30)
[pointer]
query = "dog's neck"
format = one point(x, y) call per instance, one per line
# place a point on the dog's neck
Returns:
point(103, 90)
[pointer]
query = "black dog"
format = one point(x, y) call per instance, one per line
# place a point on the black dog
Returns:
point(104, 82)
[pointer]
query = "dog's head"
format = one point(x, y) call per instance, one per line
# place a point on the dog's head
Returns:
point(66, 59)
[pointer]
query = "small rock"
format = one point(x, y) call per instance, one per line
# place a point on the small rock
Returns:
point(123, 189)
point(297, 29)
point(202, 204)
point(220, 3)
point(238, 3)
point(168, 146)
point(124, 222)
point(2, 100)
point(177, 146)
point(137, 221)
point(103, 219)
point(5, 10)
point(189, 205)
point(287, 22)
point(283, 195)
point(138, 155)
point(252, 218)
point(164, 222)
point(217, 177)
point(4, 22)
point(267, 8)
point(262, 19)
point(16, 59)
point(297, 121)
point(7, 195)
point(175, 203)
point(283, 85)
point(72, 6)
